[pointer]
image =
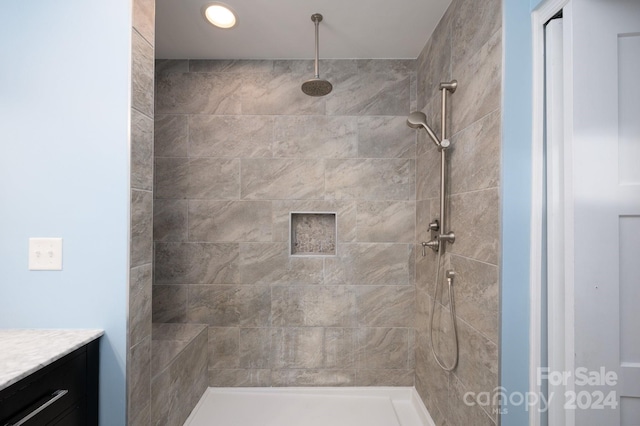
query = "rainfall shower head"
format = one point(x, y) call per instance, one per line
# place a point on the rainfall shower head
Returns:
point(418, 119)
point(316, 86)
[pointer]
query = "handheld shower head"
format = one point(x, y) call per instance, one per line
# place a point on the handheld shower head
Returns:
point(418, 119)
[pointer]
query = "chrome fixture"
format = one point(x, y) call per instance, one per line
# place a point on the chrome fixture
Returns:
point(439, 226)
point(317, 86)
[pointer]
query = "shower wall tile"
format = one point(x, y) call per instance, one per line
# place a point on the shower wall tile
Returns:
point(168, 66)
point(423, 218)
point(231, 66)
point(385, 306)
point(385, 137)
point(171, 178)
point(434, 62)
point(213, 178)
point(475, 157)
point(234, 221)
point(386, 221)
point(170, 220)
point(315, 137)
point(313, 348)
point(140, 303)
point(270, 263)
point(139, 389)
point(141, 227)
point(230, 136)
point(370, 264)
point(476, 294)
point(141, 151)
point(196, 263)
point(229, 306)
point(428, 174)
point(277, 179)
point(142, 74)
point(169, 303)
point(384, 377)
point(370, 94)
point(384, 348)
point(370, 179)
point(255, 348)
point(171, 135)
point(399, 67)
point(480, 79)
point(313, 377)
point(474, 216)
point(462, 412)
point(239, 377)
point(224, 347)
point(328, 306)
point(328, 67)
point(475, 22)
point(197, 93)
point(345, 216)
point(144, 19)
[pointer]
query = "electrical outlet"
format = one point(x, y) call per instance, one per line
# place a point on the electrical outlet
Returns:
point(45, 254)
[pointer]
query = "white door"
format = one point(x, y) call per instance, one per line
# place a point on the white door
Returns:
point(605, 53)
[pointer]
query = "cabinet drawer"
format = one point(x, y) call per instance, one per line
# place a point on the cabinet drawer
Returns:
point(49, 393)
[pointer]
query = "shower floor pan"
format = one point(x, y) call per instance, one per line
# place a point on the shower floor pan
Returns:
point(393, 406)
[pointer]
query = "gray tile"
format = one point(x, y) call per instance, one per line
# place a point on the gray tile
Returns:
point(139, 304)
point(329, 306)
point(423, 218)
point(475, 218)
point(385, 377)
point(385, 306)
point(183, 333)
point(370, 179)
point(196, 263)
point(239, 377)
point(171, 178)
point(235, 66)
point(383, 348)
point(214, 178)
point(255, 347)
point(386, 221)
point(428, 175)
point(479, 89)
point(434, 62)
point(224, 347)
point(474, 23)
point(278, 179)
point(168, 66)
point(235, 221)
point(169, 303)
point(315, 137)
point(314, 377)
point(142, 74)
point(312, 348)
point(141, 227)
point(171, 135)
point(163, 398)
point(230, 136)
point(431, 381)
point(385, 137)
point(198, 93)
point(475, 156)
point(144, 13)
point(270, 263)
point(139, 379)
point(370, 264)
point(400, 67)
point(229, 306)
point(476, 295)
point(170, 220)
point(478, 360)
point(465, 411)
point(345, 216)
point(141, 151)
point(380, 93)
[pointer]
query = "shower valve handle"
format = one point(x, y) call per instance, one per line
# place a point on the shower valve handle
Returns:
point(433, 245)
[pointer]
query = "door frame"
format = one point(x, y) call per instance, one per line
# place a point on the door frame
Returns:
point(558, 349)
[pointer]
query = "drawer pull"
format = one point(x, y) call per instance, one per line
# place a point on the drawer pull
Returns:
point(54, 397)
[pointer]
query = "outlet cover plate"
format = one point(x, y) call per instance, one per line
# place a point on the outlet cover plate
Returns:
point(45, 254)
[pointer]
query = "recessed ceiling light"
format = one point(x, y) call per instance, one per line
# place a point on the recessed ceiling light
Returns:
point(220, 15)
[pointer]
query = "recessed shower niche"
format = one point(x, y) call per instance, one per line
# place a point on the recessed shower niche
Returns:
point(312, 234)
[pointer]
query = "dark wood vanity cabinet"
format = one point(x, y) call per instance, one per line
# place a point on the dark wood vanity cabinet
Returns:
point(64, 393)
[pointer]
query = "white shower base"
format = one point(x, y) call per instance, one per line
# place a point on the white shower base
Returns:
point(378, 406)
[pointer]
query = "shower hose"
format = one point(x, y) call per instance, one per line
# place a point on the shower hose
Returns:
point(452, 310)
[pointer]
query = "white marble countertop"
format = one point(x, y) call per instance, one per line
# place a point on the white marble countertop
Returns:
point(24, 351)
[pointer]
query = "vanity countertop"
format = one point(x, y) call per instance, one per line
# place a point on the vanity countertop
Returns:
point(24, 351)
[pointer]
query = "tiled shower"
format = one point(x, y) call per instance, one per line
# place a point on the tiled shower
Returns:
point(238, 148)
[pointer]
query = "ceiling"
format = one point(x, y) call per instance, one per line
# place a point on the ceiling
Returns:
point(282, 29)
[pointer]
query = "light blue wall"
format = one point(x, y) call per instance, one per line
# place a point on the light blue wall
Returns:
point(516, 204)
point(64, 172)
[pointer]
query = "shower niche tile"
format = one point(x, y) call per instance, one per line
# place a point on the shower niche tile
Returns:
point(312, 234)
